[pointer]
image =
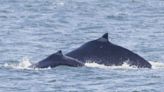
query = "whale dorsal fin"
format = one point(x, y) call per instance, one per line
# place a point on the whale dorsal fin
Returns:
point(104, 38)
point(59, 53)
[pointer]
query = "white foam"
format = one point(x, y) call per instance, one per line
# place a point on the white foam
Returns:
point(124, 66)
point(155, 65)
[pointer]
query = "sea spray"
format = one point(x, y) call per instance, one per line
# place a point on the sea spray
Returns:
point(25, 63)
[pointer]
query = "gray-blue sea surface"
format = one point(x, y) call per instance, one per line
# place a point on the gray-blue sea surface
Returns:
point(30, 30)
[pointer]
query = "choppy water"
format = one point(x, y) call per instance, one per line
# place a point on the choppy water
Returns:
point(34, 29)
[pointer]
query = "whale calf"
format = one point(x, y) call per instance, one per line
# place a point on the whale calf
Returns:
point(102, 51)
point(57, 59)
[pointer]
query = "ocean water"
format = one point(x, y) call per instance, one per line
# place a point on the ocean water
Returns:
point(30, 30)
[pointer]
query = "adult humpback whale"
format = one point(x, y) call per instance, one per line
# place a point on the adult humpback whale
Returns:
point(102, 51)
point(57, 59)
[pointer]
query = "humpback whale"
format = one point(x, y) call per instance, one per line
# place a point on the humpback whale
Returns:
point(102, 51)
point(57, 59)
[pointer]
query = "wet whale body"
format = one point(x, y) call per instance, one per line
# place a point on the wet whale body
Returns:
point(57, 59)
point(102, 51)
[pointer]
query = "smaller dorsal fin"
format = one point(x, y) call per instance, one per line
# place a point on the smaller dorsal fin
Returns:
point(59, 53)
point(104, 38)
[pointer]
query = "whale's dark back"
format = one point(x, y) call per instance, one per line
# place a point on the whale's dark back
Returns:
point(108, 54)
point(57, 59)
